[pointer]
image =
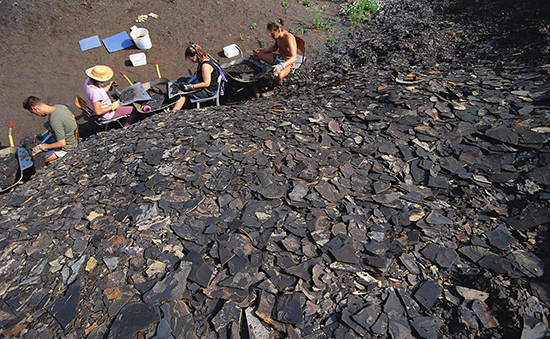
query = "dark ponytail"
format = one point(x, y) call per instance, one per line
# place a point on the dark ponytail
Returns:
point(275, 26)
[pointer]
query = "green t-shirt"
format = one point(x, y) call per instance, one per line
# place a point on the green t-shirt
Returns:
point(63, 126)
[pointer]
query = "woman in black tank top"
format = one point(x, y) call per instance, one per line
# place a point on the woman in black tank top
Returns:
point(207, 75)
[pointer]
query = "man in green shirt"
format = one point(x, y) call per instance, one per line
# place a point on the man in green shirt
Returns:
point(63, 126)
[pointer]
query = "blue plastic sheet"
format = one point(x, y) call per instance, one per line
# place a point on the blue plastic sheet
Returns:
point(118, 42)
point(89, 43)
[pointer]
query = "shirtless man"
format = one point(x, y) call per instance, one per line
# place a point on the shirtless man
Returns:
point(285, 45)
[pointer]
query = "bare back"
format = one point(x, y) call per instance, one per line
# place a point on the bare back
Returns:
point(286, 44)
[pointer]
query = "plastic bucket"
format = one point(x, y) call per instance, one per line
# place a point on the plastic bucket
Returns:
point(141, 38)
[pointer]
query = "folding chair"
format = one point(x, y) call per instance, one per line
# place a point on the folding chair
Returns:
point(83, 105)
point(215, 97)
point(301, 46)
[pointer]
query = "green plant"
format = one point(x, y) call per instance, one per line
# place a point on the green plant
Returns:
point(331, 41)
point(318, 22)
point(306, 3)
point(261, 41)
point(284, 4)
point(242, 37)
point(253, 26)
point(359, 10)
point(15, 4)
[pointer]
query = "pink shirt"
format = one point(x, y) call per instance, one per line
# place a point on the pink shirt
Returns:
point(94, 94)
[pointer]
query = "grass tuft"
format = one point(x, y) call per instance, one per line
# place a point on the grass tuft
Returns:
point(359, 10)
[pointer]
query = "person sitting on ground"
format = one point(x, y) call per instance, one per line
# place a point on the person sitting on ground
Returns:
point(285, 46)
point(96, 86)
point(62, 125)
point(207, 75)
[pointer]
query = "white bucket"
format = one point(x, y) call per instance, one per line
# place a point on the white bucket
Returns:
point(138, 59)
point(231, 51)
point(141, 38)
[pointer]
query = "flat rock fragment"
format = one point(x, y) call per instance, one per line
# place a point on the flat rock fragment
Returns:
point(200, 272)
point(381, 325)
point(242, 280)
point(398, 326)
point(274, 191)
point(299, 192)
point(499, 237)
point(483, 314)
point(288, 308)
point(409, 261)
point(176, 321)
point(411, 306)
point(266, 308)
point(328, 191)
point(496, 264)
point(229, 313)
point(474, 253)
point(64, 309)
point(133, 318)
point(427, 327)
point(529, 217)
point(441, 255)
point(436, 218)
point(428, 293)
point(345, 254)
point(256, 327)
point(529, 264)
point(116, 297)
point(534, 329)
point(471, 294)
point(467, 317)
point(172, 287)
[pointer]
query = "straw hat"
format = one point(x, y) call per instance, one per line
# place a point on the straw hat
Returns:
point(100, 73)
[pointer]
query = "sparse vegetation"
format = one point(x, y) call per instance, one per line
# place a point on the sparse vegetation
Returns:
point(261, 41)
point(284, 4)
point(324, 24)
point(331, 41)
point(253, 26)
point(306, 3)
point(359, 10)
point(303, 28)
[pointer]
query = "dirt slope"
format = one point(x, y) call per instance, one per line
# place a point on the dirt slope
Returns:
point(40, 54)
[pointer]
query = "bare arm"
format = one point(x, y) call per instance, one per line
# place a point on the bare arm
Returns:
point(99, 110)
point(206, 70)
point(58, 144)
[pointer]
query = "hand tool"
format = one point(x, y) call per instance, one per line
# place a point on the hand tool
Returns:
point(125, 77)
point(158, 70)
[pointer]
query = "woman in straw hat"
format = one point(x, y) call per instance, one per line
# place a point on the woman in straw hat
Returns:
point(96, 86)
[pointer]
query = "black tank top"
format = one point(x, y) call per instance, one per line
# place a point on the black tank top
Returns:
point(213, 88)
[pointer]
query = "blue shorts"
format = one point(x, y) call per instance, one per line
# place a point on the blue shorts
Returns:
point(58, 153)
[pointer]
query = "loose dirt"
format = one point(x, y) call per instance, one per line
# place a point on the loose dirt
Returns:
point(40, 54)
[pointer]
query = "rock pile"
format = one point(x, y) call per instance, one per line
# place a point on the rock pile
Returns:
point(351, 204)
